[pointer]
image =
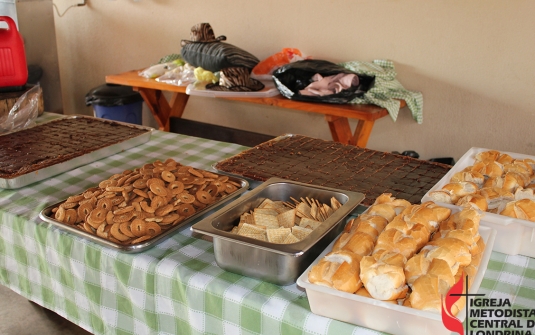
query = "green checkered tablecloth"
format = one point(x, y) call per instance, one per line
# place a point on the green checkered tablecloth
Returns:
point(175, 287)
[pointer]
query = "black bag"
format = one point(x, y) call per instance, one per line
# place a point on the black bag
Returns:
point(214, 56)
point(293, 77)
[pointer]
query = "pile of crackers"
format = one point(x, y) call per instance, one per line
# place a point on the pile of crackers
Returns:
point(284, 222)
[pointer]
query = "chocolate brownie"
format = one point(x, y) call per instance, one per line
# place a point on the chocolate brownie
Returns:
point(337, 165)
point(58, 141)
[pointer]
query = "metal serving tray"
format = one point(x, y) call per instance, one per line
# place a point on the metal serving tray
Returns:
point(49, 171)
point(337, 165)
point(142, 246)
point(276, 263)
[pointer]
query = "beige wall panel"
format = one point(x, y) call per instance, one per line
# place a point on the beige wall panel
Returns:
point(473, 61)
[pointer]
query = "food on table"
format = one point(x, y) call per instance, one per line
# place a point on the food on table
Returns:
point(332, 164)
point(284, 222)
point(136, 205)
point(405, 254)
point(58, 141)
point(496, 183)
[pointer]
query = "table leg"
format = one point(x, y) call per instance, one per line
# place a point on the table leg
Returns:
point(341, 131)
point(161, 109)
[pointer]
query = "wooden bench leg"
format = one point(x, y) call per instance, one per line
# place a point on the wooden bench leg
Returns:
point(161, 109)
point(341, 131)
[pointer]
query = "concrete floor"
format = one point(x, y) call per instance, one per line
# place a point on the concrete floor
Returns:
point(19, 316)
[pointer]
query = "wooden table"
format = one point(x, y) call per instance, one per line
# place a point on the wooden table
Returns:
point(337, 116)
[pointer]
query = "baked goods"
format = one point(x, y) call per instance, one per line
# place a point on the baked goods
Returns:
point(337, 165)
point(284, 222)
point(506, 188)
point(414, 260)
point(137, 205)
point(58, 141)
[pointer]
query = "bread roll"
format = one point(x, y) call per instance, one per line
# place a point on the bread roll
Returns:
point(476, 201)
point(441, 269)
point(471, 176)
point(524, 193)
point(458, 249)
point(422, 214)
point(443, 196)
point(487, 156)
point(395, 241)
point(383, 281)
point(416, 267)
point(442, 212)
point(364, 293)
point(426, 293)
point(385, 210)
point(489, 169)
point(359, 243)
point(340, 270)
point(460, 189)
point(504, 159)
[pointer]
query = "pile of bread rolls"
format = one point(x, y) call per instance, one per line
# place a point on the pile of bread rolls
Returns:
point(404, 254)
point(496, 183)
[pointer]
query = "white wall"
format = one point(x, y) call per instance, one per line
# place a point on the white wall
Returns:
point(472, 60)
point(36, 25)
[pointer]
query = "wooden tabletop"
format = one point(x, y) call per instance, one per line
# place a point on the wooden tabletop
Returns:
point(352, 111)
point(336, 115)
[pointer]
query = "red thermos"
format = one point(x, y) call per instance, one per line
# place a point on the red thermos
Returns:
point(13, 68)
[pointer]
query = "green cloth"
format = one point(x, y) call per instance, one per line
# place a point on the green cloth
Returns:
point(176, 287)
point(387, 90)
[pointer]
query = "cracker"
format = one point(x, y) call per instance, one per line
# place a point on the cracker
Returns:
point(266, 211)
point(247, 218)
point(277, 235)
point(335, 204)
point(266, 220)
point(314, 211)
point(308, 223)
point(287, 219)
point(300, 232)
point(250, 229)
point(303, 210)
point(266, 202)
point(290, 239)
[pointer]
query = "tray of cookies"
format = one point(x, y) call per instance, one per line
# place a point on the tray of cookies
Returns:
point(133, 210)
point(47, 149)
point(276, 230)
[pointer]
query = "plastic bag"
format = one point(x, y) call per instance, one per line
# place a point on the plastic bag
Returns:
point(23, 113)
point(264, 69)
point(158, 70)
point(179, 76)
point(291, 78)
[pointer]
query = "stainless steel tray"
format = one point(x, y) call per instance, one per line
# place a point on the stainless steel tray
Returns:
point(277, 263)
point(49, 171)
point(139, 247)
point(337, 165)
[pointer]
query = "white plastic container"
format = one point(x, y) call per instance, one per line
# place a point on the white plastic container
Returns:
point(383, 316)
point(515, 236)
point(199, 89)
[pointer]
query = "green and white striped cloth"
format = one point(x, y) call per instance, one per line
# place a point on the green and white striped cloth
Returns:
point(386, 89)
point(175, 287)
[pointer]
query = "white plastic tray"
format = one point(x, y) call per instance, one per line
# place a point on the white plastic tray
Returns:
point(199, 89)
point(515, 236)
point(383, 316)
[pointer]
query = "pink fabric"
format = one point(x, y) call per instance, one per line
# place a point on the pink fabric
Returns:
point(330, 85)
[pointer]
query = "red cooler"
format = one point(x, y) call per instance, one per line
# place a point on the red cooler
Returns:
point(13, 68)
